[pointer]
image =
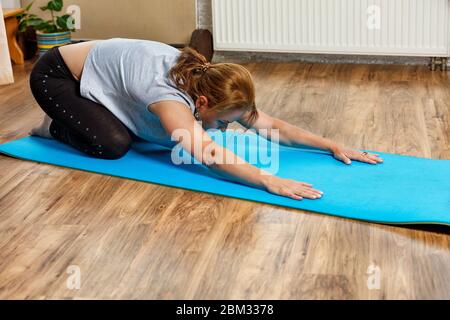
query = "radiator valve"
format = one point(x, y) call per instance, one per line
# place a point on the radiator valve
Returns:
point(438, 62)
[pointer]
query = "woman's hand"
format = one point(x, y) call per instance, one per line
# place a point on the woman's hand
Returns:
point(344, 154)
point(291, 188)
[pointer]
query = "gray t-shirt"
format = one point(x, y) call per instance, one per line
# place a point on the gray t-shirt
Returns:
point(126, 76)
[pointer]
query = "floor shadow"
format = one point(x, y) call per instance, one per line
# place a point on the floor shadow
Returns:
point(436, 228)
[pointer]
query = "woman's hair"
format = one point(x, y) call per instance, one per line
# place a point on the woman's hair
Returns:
point(228, 86)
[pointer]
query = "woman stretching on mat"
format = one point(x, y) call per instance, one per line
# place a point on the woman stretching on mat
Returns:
point(99, 95)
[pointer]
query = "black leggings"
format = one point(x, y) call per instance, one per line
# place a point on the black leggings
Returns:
point(77, 121)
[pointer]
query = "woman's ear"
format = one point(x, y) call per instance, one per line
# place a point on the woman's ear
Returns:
point(202, 103)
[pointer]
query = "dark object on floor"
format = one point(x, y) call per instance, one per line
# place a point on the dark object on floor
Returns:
point(177, 45)
point(202, 41)
point(27, 42)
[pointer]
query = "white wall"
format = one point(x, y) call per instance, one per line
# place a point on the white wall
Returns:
point(169, 21)
point(10, 4)
point(6, 74)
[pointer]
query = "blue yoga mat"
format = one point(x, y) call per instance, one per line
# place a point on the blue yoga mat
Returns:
point(402, 190)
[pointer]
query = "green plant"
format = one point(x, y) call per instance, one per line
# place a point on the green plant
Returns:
point(56, 24)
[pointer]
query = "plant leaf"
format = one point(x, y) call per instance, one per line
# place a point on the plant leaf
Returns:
point(50, 5)
point(62, 22)
point(59, 4)
point(22, 26)
point(28, 7)
point(34, 22)
point(50, 28)
point(41, 27)
point(55, 5)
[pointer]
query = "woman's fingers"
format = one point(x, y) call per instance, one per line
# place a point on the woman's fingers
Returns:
point(288, 192)
point(308, 193)
point(304, 192)
point(367, 159)
point(295, 196)
point(299, 186)
point(375, 157)
point(371, 158)
point(343, 158)
point(313, 195)
point(293, 189)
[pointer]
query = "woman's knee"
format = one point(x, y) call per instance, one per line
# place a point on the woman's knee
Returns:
point(117, 146)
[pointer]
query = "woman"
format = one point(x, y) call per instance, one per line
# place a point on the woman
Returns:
point(99, 95)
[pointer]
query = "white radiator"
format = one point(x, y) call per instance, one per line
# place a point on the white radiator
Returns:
point(376, 27)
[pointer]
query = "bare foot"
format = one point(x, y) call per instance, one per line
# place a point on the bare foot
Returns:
point(43, 130)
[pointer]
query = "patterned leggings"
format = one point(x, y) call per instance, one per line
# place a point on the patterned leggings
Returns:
point(76, 121)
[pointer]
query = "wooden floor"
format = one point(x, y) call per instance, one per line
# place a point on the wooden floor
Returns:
point(138, 240)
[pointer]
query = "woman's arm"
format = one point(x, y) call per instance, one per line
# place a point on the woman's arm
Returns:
point(293, 136)
point(289, 135)
point(200, 145)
